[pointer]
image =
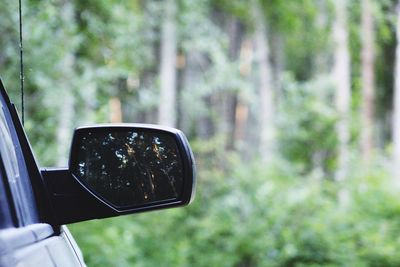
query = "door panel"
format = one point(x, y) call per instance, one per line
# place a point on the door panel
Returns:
point(53, 251)
point(22, 245)
point(61, 252)
point(36, 245)
point(34, 255)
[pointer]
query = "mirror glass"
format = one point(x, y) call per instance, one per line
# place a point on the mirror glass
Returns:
point(128, 167)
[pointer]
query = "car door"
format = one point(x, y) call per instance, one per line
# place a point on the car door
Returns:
point(24, 239)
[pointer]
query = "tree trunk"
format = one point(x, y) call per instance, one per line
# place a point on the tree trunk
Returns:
point(342, 78)
point(244, 134)
point(321, 61)
point(166, 110)
point(229, 98)
point(241, 118)
point(278, 64)
point(66, 113)
point(265, 83)
point(205, 125)
point(115, 110)
point(66, 104)
point(367, 80)
point(396, 103)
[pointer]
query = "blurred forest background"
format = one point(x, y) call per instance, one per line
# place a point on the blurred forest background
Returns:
point(292, 109)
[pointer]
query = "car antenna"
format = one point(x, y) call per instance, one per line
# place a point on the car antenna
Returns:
point(21, 62)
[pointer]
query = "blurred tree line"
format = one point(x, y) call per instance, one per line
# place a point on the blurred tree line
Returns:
point(292, 109)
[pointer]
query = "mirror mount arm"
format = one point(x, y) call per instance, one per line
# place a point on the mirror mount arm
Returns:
point(71, 202)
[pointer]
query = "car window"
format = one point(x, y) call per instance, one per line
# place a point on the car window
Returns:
point(5, 212)
point(7, 148)
point(16, 172)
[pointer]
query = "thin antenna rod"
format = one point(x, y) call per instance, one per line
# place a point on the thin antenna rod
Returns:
point(21, 66)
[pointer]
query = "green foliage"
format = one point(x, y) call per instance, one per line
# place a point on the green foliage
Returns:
point(246, 212)
point(307, 126)
point(256, 216)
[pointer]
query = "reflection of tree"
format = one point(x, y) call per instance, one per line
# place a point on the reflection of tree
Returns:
point(128, 168)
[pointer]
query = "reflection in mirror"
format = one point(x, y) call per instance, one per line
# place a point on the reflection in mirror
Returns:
point(129, 167)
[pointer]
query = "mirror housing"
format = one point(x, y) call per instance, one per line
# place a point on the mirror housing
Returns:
point(131, 166)
point(118, 169)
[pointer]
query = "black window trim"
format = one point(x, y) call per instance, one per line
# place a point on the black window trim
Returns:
point(40, 192)
point(18, 179)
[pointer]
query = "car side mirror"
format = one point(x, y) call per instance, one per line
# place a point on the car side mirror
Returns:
point(133, 165)
point(121, 169)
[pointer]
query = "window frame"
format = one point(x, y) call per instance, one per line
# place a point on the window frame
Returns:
point(21, 193)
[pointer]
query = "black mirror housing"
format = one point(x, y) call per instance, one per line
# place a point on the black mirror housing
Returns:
point(130, 166)
point(118, 169)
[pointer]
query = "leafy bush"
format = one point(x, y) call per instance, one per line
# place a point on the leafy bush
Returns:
point(257, 216)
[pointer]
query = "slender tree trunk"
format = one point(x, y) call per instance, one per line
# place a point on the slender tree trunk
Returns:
point(342, 78)
point(278, 61)
point(230, 104)
point(241, 118)
point(166, 110)
point(244, 135)
point(321, 61)
point(203, 124)
point(148, 114)
point(66, 106)
point(265, 82)
point(115, 110)
point(396, 104)
point(180, 64)
point(367, 80)
point(65, 126)
point(229, 99)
